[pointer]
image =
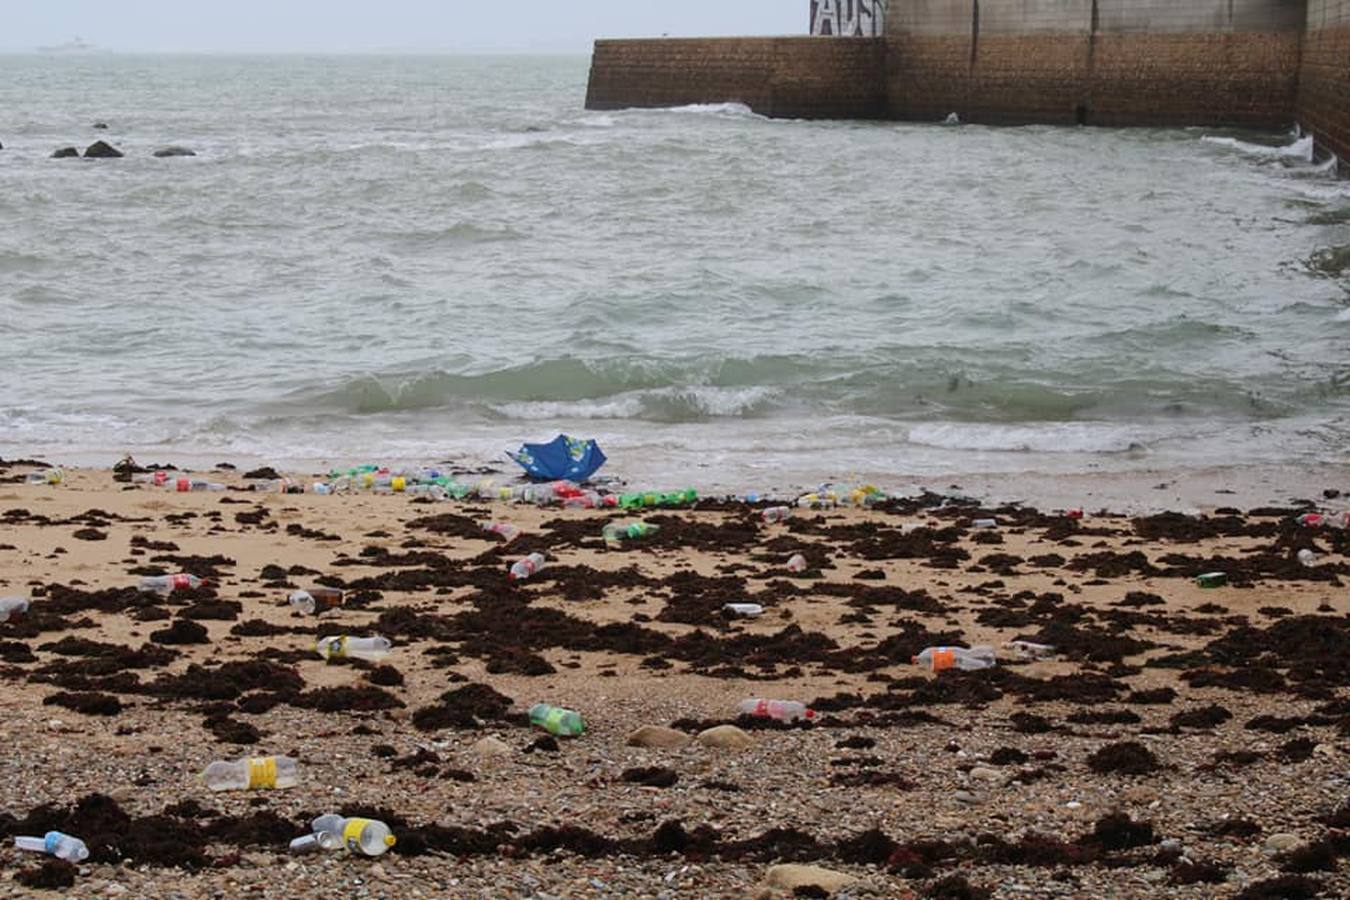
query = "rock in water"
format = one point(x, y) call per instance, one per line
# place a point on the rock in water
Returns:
point(725, 737)
point(174, 151)
point(102, 150)
point(790, 877)
point(101, 126)
point(658, 736)
point(66, 153)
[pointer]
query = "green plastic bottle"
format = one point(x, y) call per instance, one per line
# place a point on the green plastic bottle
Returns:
point(557, 720)
point(617, 532)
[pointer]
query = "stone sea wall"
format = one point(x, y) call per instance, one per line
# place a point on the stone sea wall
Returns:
point(789, 77)
point(1324, 86)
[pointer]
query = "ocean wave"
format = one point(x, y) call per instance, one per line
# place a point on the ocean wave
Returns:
point(672, 405)
point(1300, 149)
point(720, 110)
point(1046, 437)
point(458, 233)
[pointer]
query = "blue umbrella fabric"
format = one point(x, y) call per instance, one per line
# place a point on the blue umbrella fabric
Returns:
point(561, 458)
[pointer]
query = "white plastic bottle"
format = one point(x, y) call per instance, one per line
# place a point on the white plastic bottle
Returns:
point(743, 610)
point(252, 773)
point(782, 710)
point(372, 649)
point(939, 658)
point(505, 529)
point(797, 563)
point(167, 584)
point(775, 514)
point(62, 846)
point(12, 607)
point(370, 837)
point(527, 567)
point(1307, 557)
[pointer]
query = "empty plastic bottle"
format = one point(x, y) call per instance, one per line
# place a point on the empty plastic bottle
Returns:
point(796, 563)
point(743, 610)
point(315, 600)
point(557, 720)
point(252, 773)
point(12, 607)
point(158, 478)
point(983, 523)
point(62, 846)
point(1030, 650)
point(323, 488)
point(827, 500)
point(371, 649)
point(505, 529)
point(939, 658)
point(432, 491)
point(524, 568)
point(1307, 557)
point(370, 837)
point(46, 476)
point(167, 584)
point(618, 532)
point(1312, 520)
point(782, 710)
point(775, 514)
point(185, 485)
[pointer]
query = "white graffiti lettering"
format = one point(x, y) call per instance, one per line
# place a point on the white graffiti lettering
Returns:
point(848, 18)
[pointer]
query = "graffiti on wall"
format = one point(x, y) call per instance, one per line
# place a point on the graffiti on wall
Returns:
point(848, 18)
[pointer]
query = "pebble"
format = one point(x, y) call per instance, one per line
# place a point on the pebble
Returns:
point(984, 773)
point(790, 876)
point(1281, 841)
point(1171, 845)
point(658, 736)
point(967, 797)
point(491, 746)
point(725, 737)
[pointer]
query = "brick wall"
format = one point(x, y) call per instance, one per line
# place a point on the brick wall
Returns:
point(1324, 88)
point(791, 77)
point(1110, 62)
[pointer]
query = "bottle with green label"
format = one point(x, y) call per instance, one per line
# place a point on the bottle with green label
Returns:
point(557, 720)
point(618, 532)
point(1212, 579)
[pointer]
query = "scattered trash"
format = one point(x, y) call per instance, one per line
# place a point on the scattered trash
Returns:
point(775, 514)
point(46, 476)
point(983, 523)
point(167, 584)
point(557, 720)
point(743, 610)
point(617, 532)
point(1212, 579)
point(252, 773)
point(797, 563)
point(371, 649)
point(827, 500)
point(277, 486)
point(370, 837)
point(12, 608)
point(183, 485)
point(158, 478)
point(505, 529)
point(1027, 650)
point(562, 457)
point(62, 846)
point(782, 710)
point(316, 600)
point(648, 499)
point(1312, 520)
point(1075, 513)
point(1307, 557)
point(940, 658)
point(525, 568)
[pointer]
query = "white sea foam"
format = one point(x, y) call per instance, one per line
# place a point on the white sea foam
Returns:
point(1300, 149)
point(1049, 437)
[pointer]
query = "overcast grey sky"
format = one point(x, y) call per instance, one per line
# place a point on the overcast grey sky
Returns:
point(355, 25)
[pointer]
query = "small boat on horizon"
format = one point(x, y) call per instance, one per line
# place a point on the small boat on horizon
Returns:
point(76, 45)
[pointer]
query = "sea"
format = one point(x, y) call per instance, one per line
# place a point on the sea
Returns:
point(437, 258)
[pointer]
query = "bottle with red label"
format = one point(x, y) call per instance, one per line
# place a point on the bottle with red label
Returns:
point(782, 710)
point(167, 584)
point(938, 659)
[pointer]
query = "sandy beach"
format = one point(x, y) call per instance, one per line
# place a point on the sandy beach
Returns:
point(1179, 741)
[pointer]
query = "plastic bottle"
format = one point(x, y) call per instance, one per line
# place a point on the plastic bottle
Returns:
point(370, 837)
point(617, 532)
point(322, 488)
point(743, 610)
point(185, 485)
point(167, 584)
point(775, 514)
point(62, 846)
point(1030, 650)
point(797, 563)
point(12, 608)
point(252, 773)
point(983, 523)
point(46, 476)
point(1312, 520)
point(157, 478)
point(433, 491)
point(1211, 579)
point(782, 710)
point(1307, 557)
point(372, 649)
point(315, 600)
point(827, 500)
point(556, 720)
point(940, 658)
point(524, 568)
point(505, 529)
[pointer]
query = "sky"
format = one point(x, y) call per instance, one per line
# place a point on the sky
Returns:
point(373, 25)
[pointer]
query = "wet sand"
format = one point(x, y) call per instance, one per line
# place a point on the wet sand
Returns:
point(1182, 741)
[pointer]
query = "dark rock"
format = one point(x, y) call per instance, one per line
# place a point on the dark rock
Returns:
point(101, 126)
point(66, 153)
point(166, 152)
point(102, 150)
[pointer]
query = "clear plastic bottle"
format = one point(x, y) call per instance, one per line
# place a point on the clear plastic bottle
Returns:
point(370, 837)
point(505, 529)
point(46, 476)
point(62, 846)
point(252, 773)
point(1029, 650)
point(618, 532)
point(157, 478)
point(12, 608)
point(1307, 557)
point(315, 600)
point(371, 649)
point(743, 610)
point(939, 658)
point(557, 720)
point(797, 563)
point(167, 584)
point(782, 710)
point(983, 523)
point(183, 485)
point(430, 491)
point(826, 500)
point(775, 514)
point(525, 568)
